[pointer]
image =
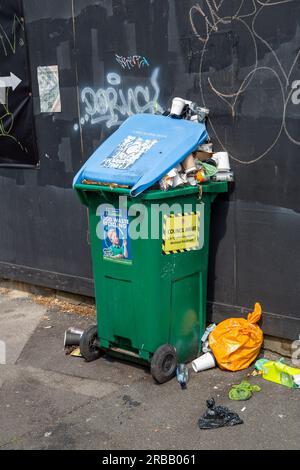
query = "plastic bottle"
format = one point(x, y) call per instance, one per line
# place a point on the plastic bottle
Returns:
point(182, 374)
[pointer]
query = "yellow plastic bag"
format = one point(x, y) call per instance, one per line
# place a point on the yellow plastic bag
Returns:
point(236, 342)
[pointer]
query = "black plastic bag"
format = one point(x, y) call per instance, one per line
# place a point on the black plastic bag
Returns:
point(218, 417)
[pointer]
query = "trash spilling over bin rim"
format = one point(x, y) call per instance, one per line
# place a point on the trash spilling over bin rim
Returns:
point(142, 150)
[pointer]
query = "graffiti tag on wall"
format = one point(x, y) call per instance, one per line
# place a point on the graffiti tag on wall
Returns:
point(8, 46)
point(218, 88)
point(9, 43)
point(17, 143)
point(112, 105)
point(296, 93)
point(133, 61)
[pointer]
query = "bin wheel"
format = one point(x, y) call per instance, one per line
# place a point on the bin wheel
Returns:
point(88, 349)
point(164, 363)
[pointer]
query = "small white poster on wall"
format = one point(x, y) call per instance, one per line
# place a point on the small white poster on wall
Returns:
point(48, 80)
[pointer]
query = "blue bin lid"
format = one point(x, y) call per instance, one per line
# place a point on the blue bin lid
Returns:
point(141, 151)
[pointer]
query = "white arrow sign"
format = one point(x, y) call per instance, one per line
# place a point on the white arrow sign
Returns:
point(10, 82)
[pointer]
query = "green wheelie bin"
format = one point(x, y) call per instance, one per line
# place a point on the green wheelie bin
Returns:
point(150, 260)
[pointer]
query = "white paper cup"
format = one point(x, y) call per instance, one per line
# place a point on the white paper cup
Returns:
point(222, 160)
point(204, 362)
point(177, 106)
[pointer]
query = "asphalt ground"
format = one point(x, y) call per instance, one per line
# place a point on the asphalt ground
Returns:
point(50, 400)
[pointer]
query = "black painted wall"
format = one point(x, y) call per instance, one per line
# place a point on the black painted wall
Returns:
point(241, 59)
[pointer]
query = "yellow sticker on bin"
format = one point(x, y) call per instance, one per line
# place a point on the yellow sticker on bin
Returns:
point(182, 232)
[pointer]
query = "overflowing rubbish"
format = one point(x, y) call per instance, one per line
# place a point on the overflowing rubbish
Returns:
point(202, 165)
point(222, 161)
point(209, 169)
point(177, 106)
point(190, 172)
point(204, 362)
point(182, 374)
point(223, 176)
point(243, 391)
point(158, 151)
point(72, 337)
point(236, 342)
point(173, 179)
point(279, 372)
point(223, 172)
point(205, 152)
point(217, 416)
point(142, 151)
point(185, 109)
point(189, 164)
point(197, 168)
